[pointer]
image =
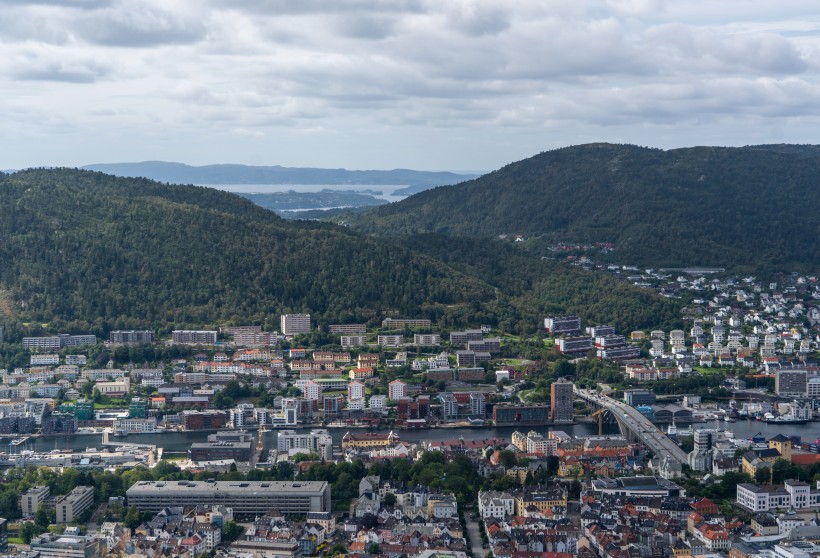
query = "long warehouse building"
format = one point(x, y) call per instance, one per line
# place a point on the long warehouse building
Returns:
point(247, 498)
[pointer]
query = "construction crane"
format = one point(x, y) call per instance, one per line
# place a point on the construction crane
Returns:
point(600, 414)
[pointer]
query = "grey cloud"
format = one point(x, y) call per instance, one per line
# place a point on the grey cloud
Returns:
point(61, 71)
point(366, 26)
point(81, 4)
point(134, 25)
point(698, 50)
point(283, 7)
point(476, 18)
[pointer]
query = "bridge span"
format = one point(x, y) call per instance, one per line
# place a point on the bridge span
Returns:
point(635, 426)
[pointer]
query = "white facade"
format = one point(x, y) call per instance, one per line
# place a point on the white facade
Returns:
point(793, 494)
point(136, 425)
point(397, 390)
point(355, 390)
point(494, 504)
point(312, 390)
point(45, 360)
point(293, 324)
point(378, 402)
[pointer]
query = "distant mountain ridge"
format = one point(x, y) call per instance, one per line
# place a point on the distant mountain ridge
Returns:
point(756, 207)
point(179, 173)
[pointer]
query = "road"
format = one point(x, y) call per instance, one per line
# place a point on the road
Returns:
point(653, 438)
point(474, 533)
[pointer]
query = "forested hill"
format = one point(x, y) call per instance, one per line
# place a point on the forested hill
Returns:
point(85, 247)
point(85, 251)
point(755, 206)
point(179, 173)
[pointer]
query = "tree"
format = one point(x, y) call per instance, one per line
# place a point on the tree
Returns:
point(389, 499)
point(27, 531)
point(507, 458)
point(132, 517)
point(373, 549)
point(762, 475)
point(41, 517)
point(231, 531)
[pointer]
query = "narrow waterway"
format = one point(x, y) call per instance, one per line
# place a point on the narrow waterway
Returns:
point(181, 441)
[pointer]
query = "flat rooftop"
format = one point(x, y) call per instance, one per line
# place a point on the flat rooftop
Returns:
point(249, 487)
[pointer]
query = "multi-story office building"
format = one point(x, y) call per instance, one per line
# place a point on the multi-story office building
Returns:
point(31, 500)
point(294, 324)
point(514, 415)
point(600, 331)
point(58, 341)
point(193, 337)
point(234, 330)
point(355, 390)
point(312, 442)
point(391, 340)
point(790, 383)
point(131, 337)
point(561, 401)
point(427, 339)
point(404, 323)
point(235, 445)
point(557, 325)
point(51, 545)
point(349, 341)
point(44, 360)
point(463, 337)
point(136, 425)
point(635, 397)
point(396, 390)
point(478, 405)
point(72, 505)
point(793, 494)
point(574, 345)
point(248, 499)
point(348, 329)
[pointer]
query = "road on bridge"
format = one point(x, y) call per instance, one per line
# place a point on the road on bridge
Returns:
point(658, 443)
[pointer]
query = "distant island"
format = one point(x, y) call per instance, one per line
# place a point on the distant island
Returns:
point(180, 173)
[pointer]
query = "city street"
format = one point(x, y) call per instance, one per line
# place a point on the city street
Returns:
point(475, 536)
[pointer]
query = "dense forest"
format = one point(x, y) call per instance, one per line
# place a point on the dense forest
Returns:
point(753, 207)
point(82, 250)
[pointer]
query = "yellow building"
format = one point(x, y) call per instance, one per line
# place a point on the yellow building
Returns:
point(541, 499)
point(369, 440)
point(783, 445)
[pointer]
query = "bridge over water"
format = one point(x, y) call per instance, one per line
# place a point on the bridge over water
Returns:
point(636, 427)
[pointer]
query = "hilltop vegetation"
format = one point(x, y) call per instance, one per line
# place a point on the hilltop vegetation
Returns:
point(755, 207)
point(82, 250)
point(79, 246)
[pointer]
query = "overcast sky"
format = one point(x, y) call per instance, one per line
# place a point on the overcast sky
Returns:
point(438, 84)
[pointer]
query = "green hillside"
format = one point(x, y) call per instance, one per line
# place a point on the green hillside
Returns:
point(80, 246)
point(754, 207)
point(82, 250)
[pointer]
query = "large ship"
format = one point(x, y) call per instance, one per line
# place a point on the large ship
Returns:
point(799, 413)
point(786, 419)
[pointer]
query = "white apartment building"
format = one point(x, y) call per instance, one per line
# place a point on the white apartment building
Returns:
point(45, 360)
point(355, 390)
point(378, 402)
point(294, 324)
point(397, 390)
point(793, 494)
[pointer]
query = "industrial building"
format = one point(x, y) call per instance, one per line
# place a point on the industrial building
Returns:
point(248, 499)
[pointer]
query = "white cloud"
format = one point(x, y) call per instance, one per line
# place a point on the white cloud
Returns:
point(379, 82)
